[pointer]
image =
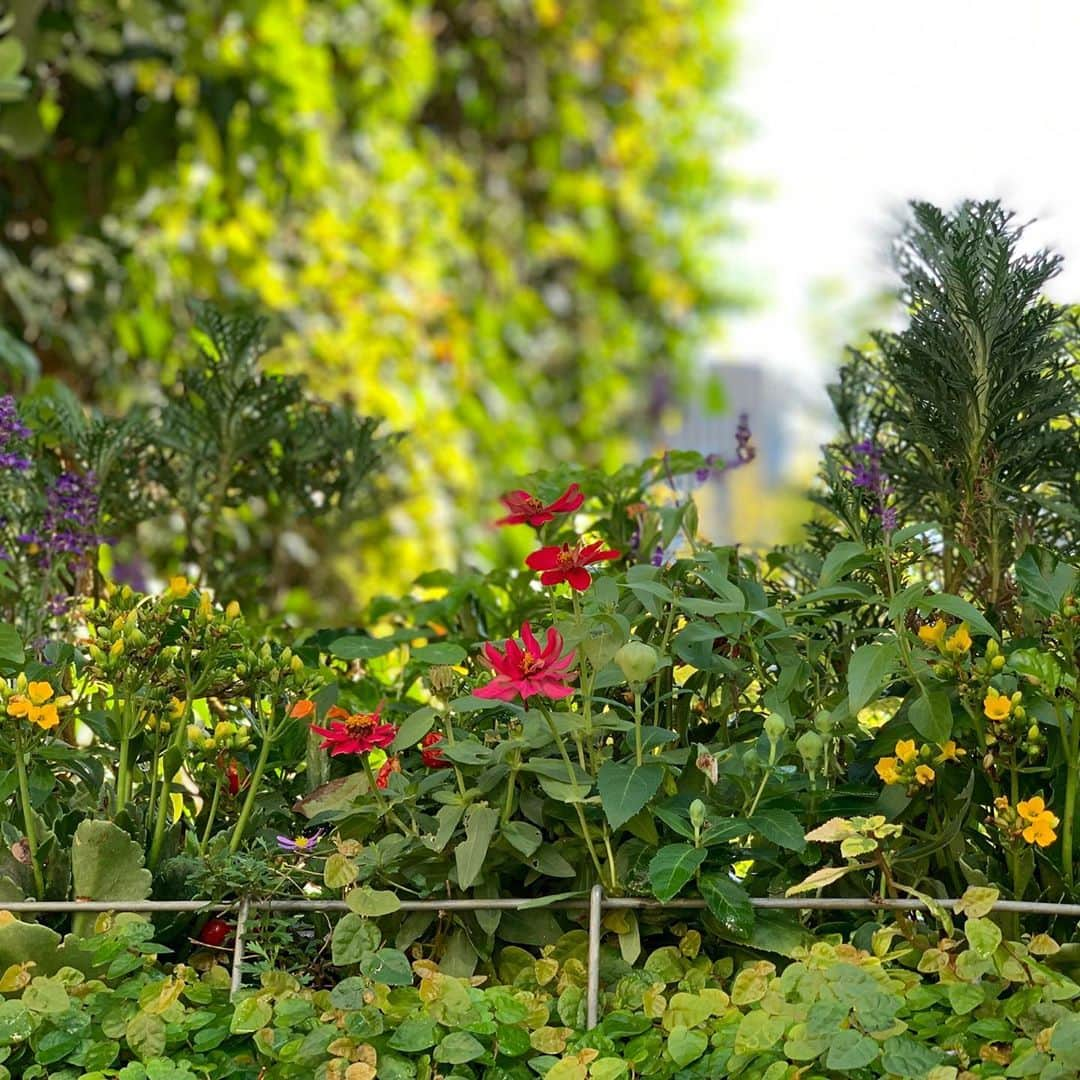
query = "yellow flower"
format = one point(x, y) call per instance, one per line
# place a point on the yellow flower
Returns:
point(905, 750)
point(924, 774)
point(886, 769)
point(933, 635)
point(179, 586)
point(37, 706)
point(1032, 808)
point(1041, 830)
point(996, 706)
point(959, 641)
point(950, 752)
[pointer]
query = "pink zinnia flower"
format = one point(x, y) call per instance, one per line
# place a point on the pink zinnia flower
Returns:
point(354, 733)
point(567, 563)
point(527, 509)
point(530, 671)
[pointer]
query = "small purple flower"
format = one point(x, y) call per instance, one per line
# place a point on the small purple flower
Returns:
point(868, 474)
point(300, 844)
point(12, 429)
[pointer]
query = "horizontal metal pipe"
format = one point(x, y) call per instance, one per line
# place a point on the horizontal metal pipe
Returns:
point(821, 903)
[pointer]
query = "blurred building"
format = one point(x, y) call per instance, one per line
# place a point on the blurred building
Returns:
point(761, 502)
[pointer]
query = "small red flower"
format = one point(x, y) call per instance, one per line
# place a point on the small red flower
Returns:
point(527, 509)
point(430, 755)
point(354, 733)
point(232, 774)
point(391, 765)
point(567, 563)
point(529, 672)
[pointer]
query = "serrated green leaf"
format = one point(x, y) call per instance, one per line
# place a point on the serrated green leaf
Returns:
point(625, 789)
point(672, 867)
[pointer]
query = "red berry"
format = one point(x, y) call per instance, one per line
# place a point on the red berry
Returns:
point(214, 932)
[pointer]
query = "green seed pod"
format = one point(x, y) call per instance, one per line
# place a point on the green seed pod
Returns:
point(637, 661)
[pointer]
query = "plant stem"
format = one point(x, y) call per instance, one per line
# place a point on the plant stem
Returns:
point(212, 813)
point(1071, 737)
point(508, 805)
point(637, 726)
point(123, 775)
point(28, 815)
point(253, 790)
point(660, 673)
point(576, 793)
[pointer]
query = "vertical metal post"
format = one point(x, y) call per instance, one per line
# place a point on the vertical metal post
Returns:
point(238, 945)
point(592, 992)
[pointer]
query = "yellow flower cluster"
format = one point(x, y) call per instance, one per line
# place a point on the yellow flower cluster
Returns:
point(37, 703)
point(936, 635)
point(1031, 820)
point(910, 764)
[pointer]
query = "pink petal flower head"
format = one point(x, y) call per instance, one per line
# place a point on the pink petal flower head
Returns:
point(532, 671)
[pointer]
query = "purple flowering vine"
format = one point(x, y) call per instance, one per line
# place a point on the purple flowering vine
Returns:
point(69, 526)
point(12, 431)
point(866, 472)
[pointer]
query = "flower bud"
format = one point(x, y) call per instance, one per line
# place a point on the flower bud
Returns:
point(1033, 733)
point(997, 663)
point(774, 727)
point(1017, 698)
point(286, 655)
point(810, 745)
point(232, 612)
point(296, 665)
point(96, 654)
point(824, 723)
point(697, 813)
point(194, 733)
point(116, 649)
point(991, 649)
point(136, 638)
point(1019, 713)
point(637, 661)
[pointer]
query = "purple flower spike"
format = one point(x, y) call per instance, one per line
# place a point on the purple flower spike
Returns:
point(869, 475)
point(300, 844)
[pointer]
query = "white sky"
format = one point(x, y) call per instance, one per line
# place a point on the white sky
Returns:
point(859, 105)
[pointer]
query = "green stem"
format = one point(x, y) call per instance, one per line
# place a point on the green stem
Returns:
point(508, 805)
point(637, 726)
point(123, 775)
point(214, 801)
point(660, 674)
point(1071, 736)
point(450, 742)
point(577, 793)
point(28, 815)
point(253, 790)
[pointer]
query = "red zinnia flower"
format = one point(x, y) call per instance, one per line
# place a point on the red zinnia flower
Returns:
point(430, 755)
point(527, 509)
point(567, 563)
point(354, 733)
point(531, 671)
point(392, 764)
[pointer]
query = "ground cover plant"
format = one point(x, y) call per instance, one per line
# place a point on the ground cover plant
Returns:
point(888, 710)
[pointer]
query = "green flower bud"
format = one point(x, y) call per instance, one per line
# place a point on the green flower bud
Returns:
point(637, 661)
point(1020, 713)
point(810, 746)
point(774, 727)
point(997, 663)
point(697, 813)
point(824, 723)
point(1033, 733)
point(296, 665)
point(991, 649)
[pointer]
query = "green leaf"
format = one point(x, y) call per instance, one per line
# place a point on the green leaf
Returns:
point(685, 1045)
point(977, 901)
point(353, 938)
point(983, 936)
point(1065, 1041)
point(372, 903)
point(870, 664)
point(625, 788)
point(249, 1015)
point(11, 646)
point(672, 867)
point(145, 1034)
point(415, 1034)
point(729, 903)
point(522, 836)
point(469, 855)
point(339, 871)
point(414, 728)
point(362, 648)
point(841, 560)
point(931, 716)
point(441, 652)
point(106, 864)
point(388, 966)
point(964, 997)
point(459, 1047)
point(780, 827)
point(910, 1059)
point(758, 1031)
point(850, 1049)
point(960, 609)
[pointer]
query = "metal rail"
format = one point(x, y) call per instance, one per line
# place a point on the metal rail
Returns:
point(595, 904)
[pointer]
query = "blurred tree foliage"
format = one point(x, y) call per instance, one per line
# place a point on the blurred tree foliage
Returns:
point(494, 223)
